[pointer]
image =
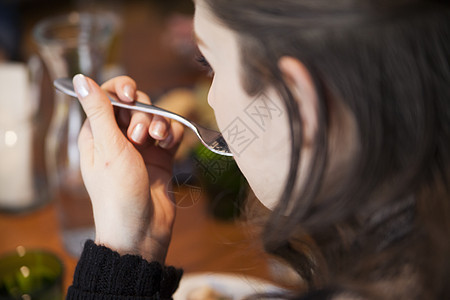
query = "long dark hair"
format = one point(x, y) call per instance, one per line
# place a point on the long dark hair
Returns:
point(388, 61)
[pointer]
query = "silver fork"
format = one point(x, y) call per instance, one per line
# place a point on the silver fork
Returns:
point(212, 139)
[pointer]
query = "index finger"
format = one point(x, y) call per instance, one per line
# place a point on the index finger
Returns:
point(98, 109)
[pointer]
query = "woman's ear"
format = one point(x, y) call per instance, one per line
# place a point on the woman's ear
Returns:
point(302, 88)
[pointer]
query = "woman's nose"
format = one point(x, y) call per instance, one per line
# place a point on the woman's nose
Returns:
point(211, 96)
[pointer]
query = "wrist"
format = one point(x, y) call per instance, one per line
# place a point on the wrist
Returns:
point(147, 235)
point(148, 248)
point(159, 231)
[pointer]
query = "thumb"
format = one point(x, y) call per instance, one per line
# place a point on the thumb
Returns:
point(98, 109)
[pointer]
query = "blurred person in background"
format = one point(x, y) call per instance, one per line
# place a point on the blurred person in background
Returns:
point(355, 170)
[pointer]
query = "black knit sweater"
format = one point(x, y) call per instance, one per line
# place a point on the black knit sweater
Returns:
point(103, 274)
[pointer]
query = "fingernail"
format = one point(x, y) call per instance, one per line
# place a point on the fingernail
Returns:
point(128, 92)
point(138, 133)
point(159, 129)
point(81, 85)
point(165, 143)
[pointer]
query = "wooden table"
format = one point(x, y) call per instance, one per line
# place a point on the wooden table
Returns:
point(200, 242)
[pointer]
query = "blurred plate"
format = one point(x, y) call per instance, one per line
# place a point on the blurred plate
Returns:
point(232, 286)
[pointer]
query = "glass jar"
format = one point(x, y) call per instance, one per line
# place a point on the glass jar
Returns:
point(72, 44)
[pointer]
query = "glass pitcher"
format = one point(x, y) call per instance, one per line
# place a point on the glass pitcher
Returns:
point(71, 44)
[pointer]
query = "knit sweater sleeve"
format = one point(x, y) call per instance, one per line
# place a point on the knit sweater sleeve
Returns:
point(104, 274)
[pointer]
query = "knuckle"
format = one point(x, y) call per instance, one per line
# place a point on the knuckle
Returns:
point(143, 97)
point(118, 81)
point(126, 78)
point(96, 112)
point(140, 117)
point(157, 118)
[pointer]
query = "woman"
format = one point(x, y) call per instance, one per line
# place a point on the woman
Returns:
point(354, 160)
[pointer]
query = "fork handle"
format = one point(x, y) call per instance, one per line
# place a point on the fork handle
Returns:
point(149, 108)
point(65, 85)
